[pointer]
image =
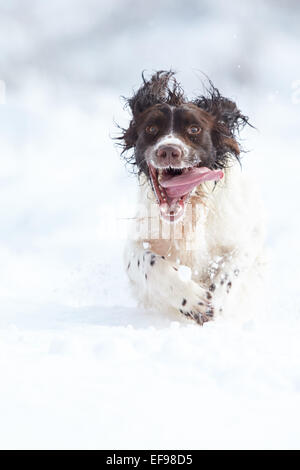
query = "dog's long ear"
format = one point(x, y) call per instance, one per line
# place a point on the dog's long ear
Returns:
point(228, 121)
point(128, 137)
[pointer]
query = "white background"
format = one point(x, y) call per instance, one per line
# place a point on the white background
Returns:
point(81, 366)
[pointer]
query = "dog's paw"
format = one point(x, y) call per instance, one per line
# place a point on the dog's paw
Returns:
point(190, 298)
point(198, 307)
point(200, 314)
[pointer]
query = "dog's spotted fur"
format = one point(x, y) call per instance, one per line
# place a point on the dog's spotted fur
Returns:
point(221, 237)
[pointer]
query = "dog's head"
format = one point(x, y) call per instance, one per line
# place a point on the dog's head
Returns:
point(178, 143)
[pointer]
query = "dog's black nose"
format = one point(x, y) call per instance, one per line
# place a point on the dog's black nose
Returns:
point(169, 152)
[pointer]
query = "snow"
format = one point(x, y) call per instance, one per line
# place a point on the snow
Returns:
point(81, 365)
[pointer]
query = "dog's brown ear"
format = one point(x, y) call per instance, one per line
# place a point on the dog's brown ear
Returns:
point(128, 137)
point(228, 120)
point(228, 123)
point(223, 109)
point(162, 87)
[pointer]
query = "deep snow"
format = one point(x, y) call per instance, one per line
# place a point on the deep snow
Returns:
point(81, 365)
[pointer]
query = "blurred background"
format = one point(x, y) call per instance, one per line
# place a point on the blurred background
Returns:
point(65, 192)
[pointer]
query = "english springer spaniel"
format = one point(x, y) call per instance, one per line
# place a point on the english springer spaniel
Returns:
point(198, 237)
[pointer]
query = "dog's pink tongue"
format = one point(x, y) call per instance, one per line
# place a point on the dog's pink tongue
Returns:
point(178, 186)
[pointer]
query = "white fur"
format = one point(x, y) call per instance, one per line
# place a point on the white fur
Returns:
point(220, 240)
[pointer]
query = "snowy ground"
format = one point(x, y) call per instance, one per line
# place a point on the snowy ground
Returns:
point(81, 365)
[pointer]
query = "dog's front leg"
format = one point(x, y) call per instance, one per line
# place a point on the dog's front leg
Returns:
point(159, 282)
point(224, 273)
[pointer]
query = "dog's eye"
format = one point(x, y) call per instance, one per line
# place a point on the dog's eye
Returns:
point(152, 130)
point(194, 130)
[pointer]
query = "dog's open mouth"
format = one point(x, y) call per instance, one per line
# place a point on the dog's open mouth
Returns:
point(174, 186)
